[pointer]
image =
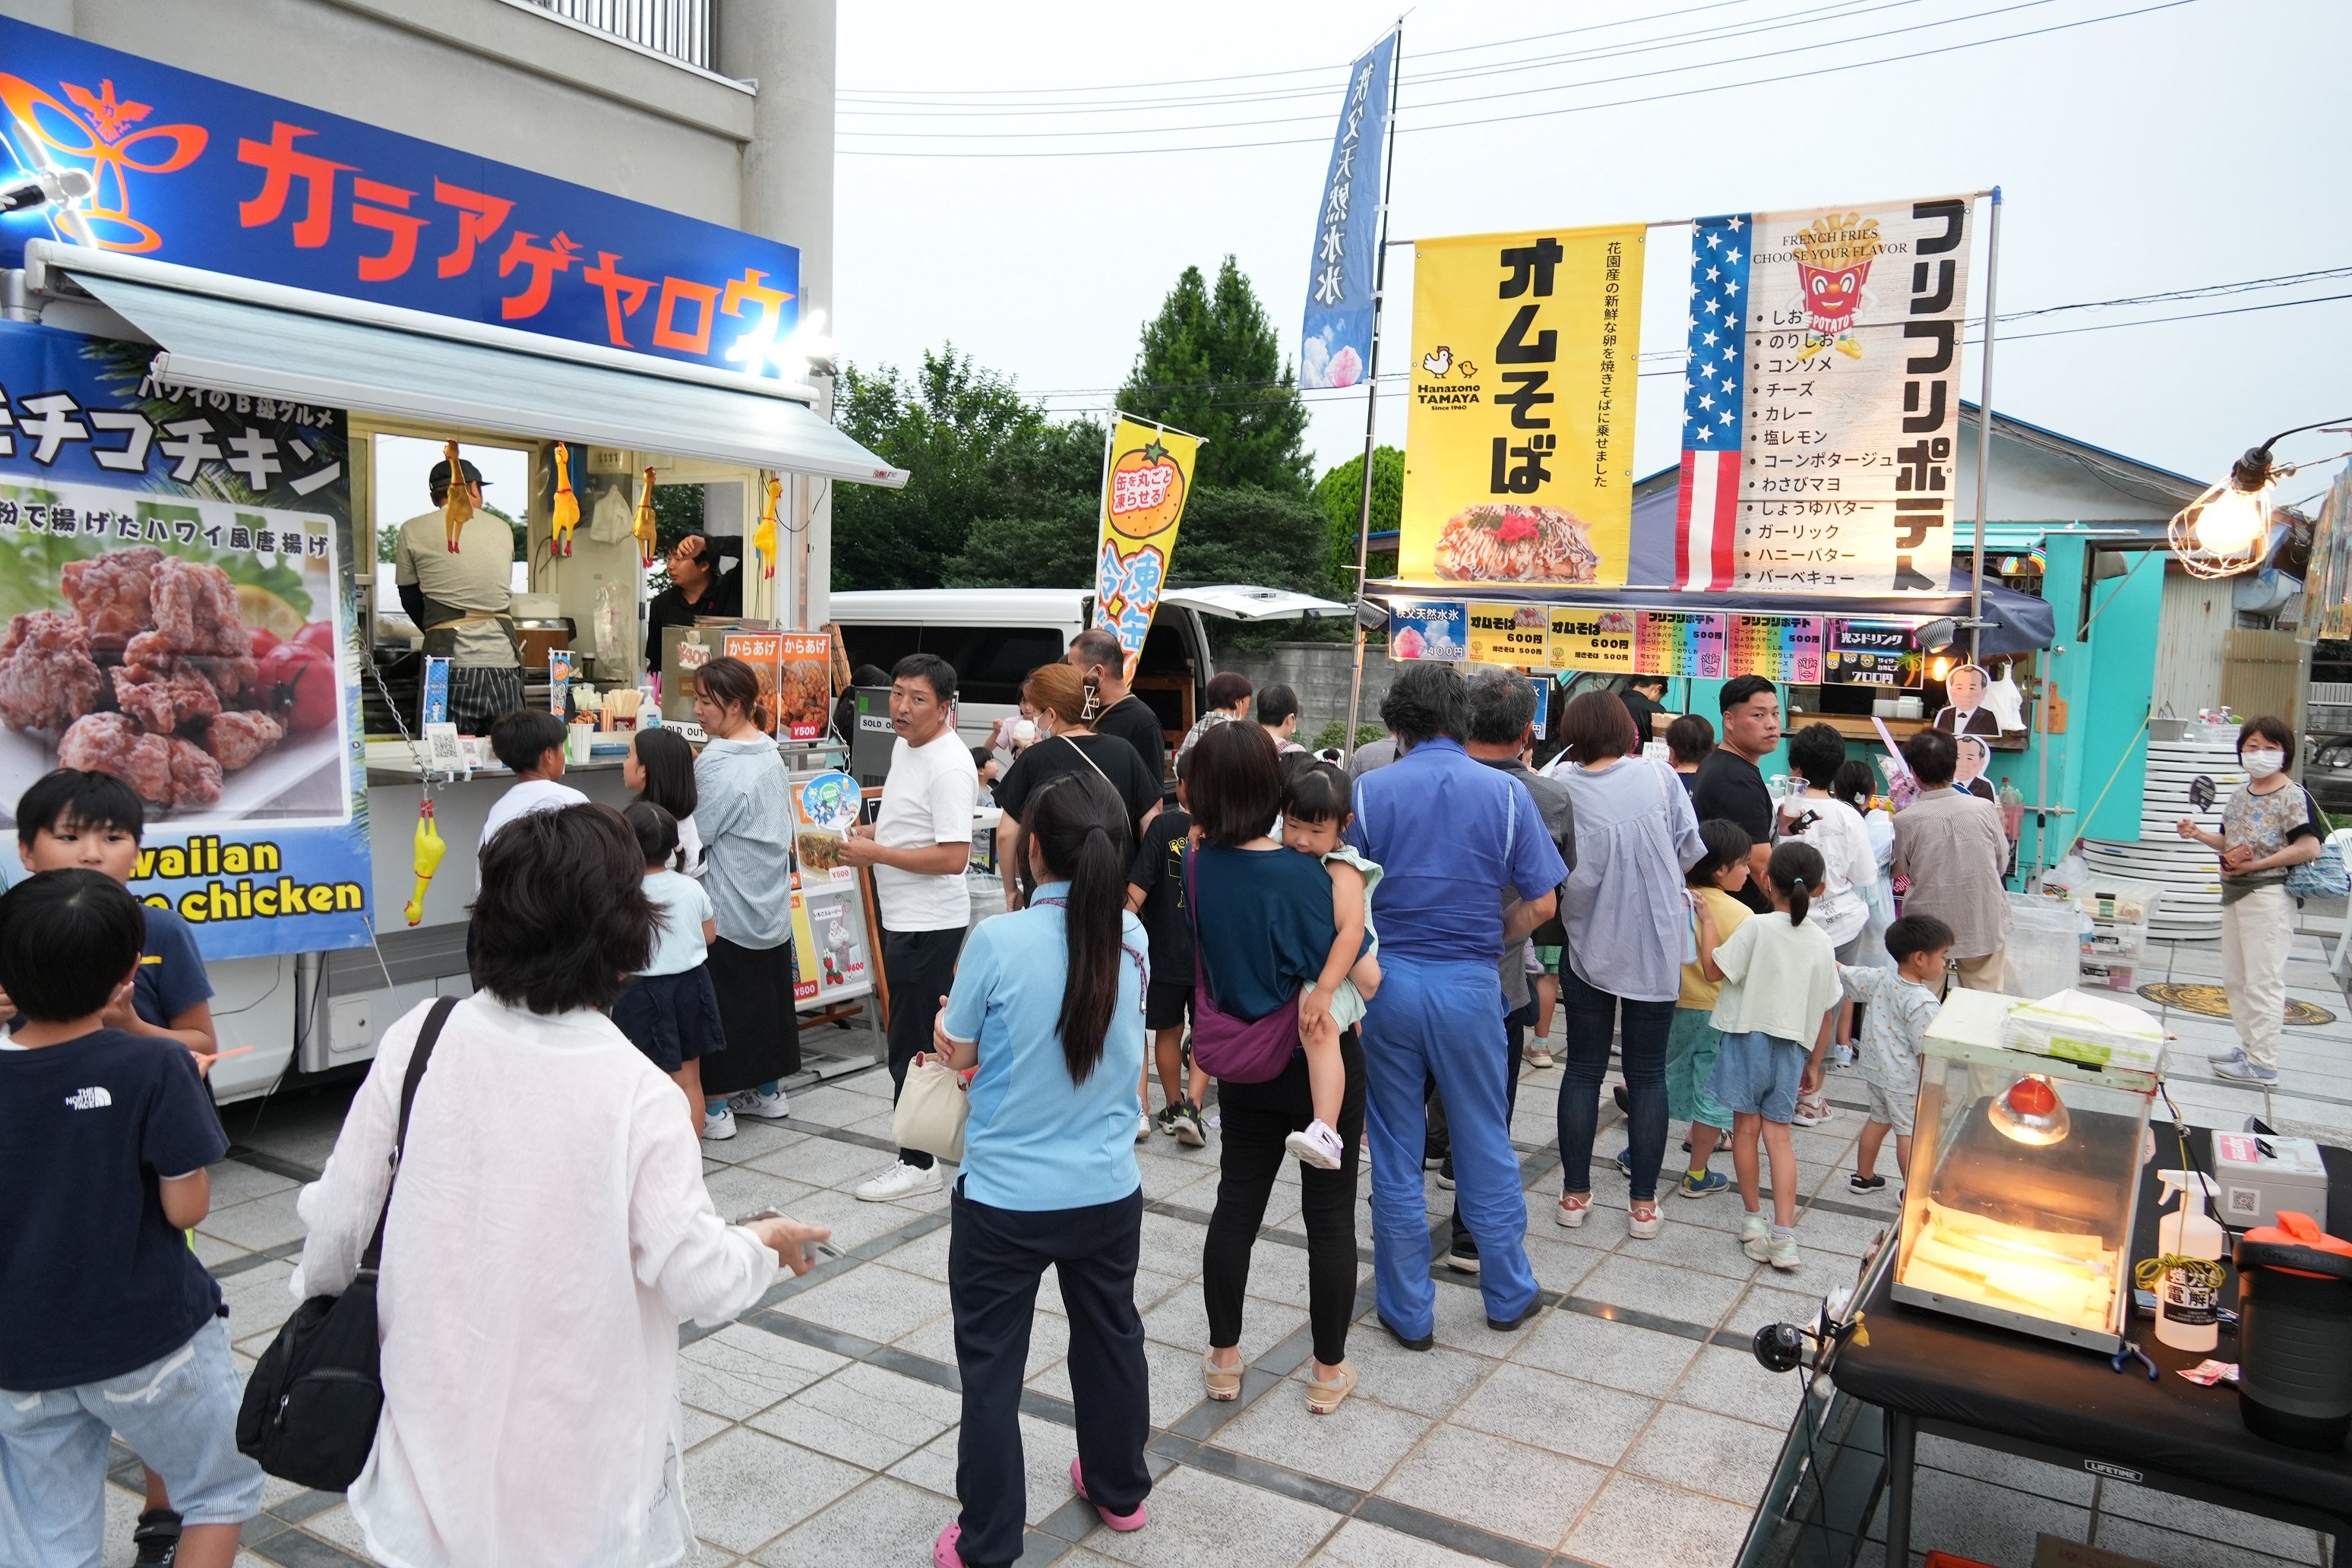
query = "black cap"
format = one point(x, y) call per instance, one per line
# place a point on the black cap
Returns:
point(439, 478)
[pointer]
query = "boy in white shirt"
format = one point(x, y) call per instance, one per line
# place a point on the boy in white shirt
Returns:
point(1898, 1005)
point(918, 845)
point(531, 743)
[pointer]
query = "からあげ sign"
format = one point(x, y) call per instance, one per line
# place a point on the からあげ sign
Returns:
point(193, 170)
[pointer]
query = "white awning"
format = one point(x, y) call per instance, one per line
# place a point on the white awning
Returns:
point(235, 335)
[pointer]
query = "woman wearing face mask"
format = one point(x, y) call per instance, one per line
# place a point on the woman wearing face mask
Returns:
point(2268, 827)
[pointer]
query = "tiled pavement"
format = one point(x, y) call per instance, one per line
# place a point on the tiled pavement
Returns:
point(1626, 1426)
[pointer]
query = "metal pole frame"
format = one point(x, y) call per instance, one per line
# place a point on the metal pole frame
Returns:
point(1984, 428)
point(1373, 401)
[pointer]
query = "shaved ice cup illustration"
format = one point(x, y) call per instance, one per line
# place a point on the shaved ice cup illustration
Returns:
point(1834, 257)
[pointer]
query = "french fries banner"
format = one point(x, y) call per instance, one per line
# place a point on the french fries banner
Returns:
point(1144, 487)
point(1519, 446)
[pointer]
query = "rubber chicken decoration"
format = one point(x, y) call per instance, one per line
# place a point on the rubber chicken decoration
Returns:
point(644, 528)
point(567, 505)
point(459, 508)
point(764, 537)
point(430, 846)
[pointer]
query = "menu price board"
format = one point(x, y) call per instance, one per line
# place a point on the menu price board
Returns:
point(1872, 653)
point(1507, 634)
point(1592, 640)
point(1679, 643)
point(1786, 649)
point(1428, 629)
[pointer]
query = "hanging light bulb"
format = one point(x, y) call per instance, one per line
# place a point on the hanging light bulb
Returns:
point(2030, 1111)
point(2227, 530)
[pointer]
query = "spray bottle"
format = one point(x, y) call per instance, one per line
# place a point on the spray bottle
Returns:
point(2189, 1277)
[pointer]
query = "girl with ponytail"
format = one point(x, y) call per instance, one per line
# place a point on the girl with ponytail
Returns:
point(1780, 980)
point(1046, 1013)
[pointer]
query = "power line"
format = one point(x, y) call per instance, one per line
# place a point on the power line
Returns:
point(1300, 70)
point(1814, 47)
point(1542, 113)
point(923, 109)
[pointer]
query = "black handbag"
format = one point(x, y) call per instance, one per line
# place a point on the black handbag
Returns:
point(312, 1405)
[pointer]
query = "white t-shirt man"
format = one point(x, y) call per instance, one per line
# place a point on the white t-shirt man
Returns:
point(475, 580)
point(521, 800)
point(927, 799)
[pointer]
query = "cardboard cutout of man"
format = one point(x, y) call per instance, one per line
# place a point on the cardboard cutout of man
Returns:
point(1967, 713)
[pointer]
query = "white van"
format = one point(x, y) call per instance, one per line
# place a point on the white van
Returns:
point(995, 636)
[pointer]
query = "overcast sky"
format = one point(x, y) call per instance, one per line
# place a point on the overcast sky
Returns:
point(2174, 147)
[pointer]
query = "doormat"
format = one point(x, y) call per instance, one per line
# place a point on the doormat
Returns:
point(2213, 1001)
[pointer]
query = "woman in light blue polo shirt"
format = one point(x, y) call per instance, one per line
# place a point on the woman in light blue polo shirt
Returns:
point(1049, 1002)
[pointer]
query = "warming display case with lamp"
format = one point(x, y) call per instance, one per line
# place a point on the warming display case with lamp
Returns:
point(2024, 1175)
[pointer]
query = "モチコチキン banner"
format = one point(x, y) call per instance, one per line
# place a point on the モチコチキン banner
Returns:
point(1144, 487)
point(1519, 446)
point(1821, 425)
point(177, 600)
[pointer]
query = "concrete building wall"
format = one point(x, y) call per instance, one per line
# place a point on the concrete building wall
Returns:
point(1318, 672)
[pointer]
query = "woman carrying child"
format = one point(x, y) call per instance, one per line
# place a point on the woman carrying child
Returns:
point(1780, 980)
point(1267, 939)
point(670, 1011)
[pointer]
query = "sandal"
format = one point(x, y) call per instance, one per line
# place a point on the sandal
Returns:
point(1223, 1382)
point(1322, 1398)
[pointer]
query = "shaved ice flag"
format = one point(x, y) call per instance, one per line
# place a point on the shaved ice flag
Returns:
point(1338, 338)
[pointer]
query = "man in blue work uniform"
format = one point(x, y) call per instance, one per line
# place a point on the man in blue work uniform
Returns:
point(1453, 837)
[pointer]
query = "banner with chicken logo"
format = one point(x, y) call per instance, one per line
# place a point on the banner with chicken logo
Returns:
point(177, 608)
point(1144, 487)
point(1821, 421)
point(1519, 446)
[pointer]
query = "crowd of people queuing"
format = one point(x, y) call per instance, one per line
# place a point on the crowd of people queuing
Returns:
point(1352, 964)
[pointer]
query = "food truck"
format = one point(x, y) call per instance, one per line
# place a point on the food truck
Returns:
point(215, 349)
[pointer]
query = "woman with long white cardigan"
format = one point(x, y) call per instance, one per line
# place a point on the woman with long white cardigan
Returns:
point(535, 1269)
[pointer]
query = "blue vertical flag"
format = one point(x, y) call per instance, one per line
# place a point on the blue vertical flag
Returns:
point(1338, 339)
point(1706, 512)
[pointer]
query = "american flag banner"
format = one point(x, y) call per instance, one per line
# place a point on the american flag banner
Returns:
point(1714, 424)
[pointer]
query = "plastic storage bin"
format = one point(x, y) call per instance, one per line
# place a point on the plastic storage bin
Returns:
point(2105, 899)
point(2109, 974)
point(2044, 946)
point(2107, 941)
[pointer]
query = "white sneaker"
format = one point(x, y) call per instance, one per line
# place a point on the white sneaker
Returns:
point(766, 1107)
point(900, 1181)
point(1316, 1145)
point(1811, 1110)
point(718, 1126)
point(1143, 1128)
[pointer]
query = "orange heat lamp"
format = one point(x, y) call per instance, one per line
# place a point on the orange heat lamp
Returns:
point(458, 509)
point(645, 529)
point(567, 505)
point(2031, 1112)
point(764, 537)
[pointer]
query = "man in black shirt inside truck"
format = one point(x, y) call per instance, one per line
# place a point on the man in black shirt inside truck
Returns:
point(698, 586)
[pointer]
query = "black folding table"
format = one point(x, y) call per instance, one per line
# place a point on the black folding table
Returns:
point(1995, 1388)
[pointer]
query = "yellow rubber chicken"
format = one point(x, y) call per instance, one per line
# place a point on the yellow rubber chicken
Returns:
point(459, 508)
point(644, 528)
point(430, 848)
point(764, 537)
point(567, 505)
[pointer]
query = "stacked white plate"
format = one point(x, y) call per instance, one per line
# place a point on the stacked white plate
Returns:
point(2189, 874)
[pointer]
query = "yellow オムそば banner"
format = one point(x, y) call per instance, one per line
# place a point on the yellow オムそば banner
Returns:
point(1145, 484)
point(1519, 446)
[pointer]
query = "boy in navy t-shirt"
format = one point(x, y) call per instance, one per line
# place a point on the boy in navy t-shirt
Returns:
point(112, 1323)
point(91, 821)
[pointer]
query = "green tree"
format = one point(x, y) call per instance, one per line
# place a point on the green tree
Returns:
point(1341, 494)
point(1211, 364)
point(1246, 533)
point(1053, 491)
point(960, 431)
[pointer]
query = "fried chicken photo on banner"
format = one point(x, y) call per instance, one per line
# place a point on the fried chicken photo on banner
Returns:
point(173, 706)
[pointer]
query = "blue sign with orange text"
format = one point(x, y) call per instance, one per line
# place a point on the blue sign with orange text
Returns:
point(193, 170)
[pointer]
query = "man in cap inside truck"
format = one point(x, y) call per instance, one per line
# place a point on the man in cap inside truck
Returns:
point(460, 599)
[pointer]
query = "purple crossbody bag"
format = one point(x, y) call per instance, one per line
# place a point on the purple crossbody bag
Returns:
point(1234, 1049)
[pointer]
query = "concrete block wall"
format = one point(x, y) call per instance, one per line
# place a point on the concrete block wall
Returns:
point(1319, 673)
